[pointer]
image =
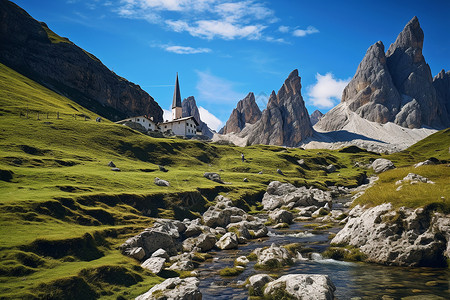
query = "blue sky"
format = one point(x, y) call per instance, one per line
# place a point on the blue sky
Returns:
point(224, 49)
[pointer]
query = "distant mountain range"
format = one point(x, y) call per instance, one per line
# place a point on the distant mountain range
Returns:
point(389, 91)
point(391, 102)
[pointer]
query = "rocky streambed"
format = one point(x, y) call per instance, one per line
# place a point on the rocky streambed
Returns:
point(229, 254)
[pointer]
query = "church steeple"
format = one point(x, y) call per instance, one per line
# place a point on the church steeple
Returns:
point(176, 103)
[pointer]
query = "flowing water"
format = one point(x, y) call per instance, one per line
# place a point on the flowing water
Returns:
point(352, 280)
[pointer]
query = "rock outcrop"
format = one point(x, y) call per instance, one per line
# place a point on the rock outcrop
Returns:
point(285, 121)
point(285, 194)
point(301, 286)
point(174, 288)
point(315, 117)
point(395, 86)
point(190, 108)
point(32, 49)
point(403, 237)
point(246, 111)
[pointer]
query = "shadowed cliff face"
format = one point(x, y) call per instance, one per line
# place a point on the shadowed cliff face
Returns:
point(395, 86)
point(285, 121)
point(246, 111)
point(32, 49)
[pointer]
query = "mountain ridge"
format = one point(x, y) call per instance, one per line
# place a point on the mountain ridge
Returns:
point(30, 47)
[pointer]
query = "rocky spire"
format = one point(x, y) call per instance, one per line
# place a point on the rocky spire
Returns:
point(315, 117)
point(393, 87)
point(441, 83)
point(371, 92)
point(190, 109)
point(285, 121)
point(246, 111)
point(412, 77)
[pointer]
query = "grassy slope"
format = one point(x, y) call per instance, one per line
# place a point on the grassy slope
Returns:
point(64, 212)
point(418, 195)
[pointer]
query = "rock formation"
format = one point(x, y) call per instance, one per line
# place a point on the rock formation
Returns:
point(285, 121)
point(190, 109)
point(32, 49)
point(246, 111)
point(315, 117)
point(395, 86)
point(441, 83)
point(403, 236)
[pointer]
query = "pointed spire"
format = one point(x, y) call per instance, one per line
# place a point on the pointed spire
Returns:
point(176, 95)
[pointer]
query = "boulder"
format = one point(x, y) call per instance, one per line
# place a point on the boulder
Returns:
point(150, 240)
point(257, 282)
point(160, 182)
point(154, 264)
point(285, 194)
point(380, 165)
point(161, 253)
point(302, 286)
point(111, 164)
point(273, 257)
point(213, 176)
point(115, 169)
point(280, 172)
point(281, 216)
point(331, 168)
point(424, 163)
point(403, 237)
point(174, 288)
point(228, 241)
point(136, 253)
point(182, 262)
point(193, 230)
point(242, 261)
point(245, 180)
point(206, 241)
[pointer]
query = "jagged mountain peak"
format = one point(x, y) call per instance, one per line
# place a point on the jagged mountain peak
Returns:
point(412, 36)
point(285, 121)
point(246, 111)
point(189, 108)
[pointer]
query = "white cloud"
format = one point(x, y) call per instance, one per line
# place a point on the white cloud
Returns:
point(186, 50)
point(327, 91)
point(215, 89)
point(304, 32)
point(206, 19)
point(283, 29)
point(210, 29)
point(211, 120)
point(167, 115)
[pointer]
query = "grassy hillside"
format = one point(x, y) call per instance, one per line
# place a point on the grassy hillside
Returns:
point(63, 212)
point(435, 195)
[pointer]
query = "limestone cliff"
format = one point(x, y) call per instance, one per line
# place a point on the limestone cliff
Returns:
point(246, 111)
point(190, 109)
point(395, 86)
point(285, 121)
point(32, 49)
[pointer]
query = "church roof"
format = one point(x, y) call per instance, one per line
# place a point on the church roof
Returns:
point(176, 95)
point(182, 119)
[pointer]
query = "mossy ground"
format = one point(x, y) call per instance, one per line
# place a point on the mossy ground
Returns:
point(63, 212)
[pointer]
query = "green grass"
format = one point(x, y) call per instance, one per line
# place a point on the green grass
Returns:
point(58, 194)
point(231, 272)
point(63, 212)
point(417, 195)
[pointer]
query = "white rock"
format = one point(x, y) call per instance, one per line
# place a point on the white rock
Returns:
point(174, 289)
point(303, 286)
point(154, 264)
point(228, 241)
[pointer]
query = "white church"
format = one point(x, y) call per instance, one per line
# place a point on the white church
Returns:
point(185, 127)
